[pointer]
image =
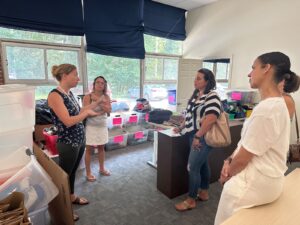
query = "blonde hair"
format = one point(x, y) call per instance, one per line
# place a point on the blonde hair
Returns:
point(59, 70)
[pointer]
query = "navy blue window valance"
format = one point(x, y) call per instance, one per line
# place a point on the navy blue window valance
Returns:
point(114, 27)
point(53, 16)
point(222, 60)
point(164, 21)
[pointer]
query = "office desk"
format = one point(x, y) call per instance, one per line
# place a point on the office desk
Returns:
point(172, 156)
point(284, 210)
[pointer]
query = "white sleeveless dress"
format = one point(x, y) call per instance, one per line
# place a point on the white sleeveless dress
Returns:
point(96, 129)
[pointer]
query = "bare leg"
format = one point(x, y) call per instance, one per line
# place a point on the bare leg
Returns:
point(87, 159)
point(101, 158)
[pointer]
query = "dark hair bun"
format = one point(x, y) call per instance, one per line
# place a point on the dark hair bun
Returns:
point(291, 82)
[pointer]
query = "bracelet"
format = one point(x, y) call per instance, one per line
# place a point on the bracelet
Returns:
point(196, 137)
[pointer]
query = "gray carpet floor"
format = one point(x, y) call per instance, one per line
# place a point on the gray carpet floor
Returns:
point(130, 197)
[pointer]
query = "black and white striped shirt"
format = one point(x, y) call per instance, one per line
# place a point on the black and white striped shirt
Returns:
point(197, 108)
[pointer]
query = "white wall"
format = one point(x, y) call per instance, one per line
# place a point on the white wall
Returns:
point(244, 29)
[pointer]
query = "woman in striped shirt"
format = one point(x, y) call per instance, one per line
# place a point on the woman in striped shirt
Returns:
point(203, 110)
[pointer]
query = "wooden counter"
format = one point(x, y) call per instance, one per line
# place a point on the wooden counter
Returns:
point(284, 210)
point(172, 158)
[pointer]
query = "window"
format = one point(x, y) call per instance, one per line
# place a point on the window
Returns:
point(29, 56)
point(42, 92)
point(162, 45)
point(122, 75)
point(32, 63)
point(221, 69)
point(161, 74)
point(6, 33)
point(160, 71)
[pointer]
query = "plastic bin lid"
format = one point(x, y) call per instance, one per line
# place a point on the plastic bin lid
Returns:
point(15, 87)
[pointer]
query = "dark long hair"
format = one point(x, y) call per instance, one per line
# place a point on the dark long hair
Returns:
point(211, 82)
point(282, 67)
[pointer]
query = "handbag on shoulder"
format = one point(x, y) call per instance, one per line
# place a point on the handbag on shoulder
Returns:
point(219, 134)
point(294, 150)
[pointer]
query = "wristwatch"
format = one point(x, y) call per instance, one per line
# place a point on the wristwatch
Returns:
point(196, 137)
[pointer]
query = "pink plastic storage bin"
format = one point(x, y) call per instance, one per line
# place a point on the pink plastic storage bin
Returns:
point(131, 119)
point(143, 117)
point(117, 138)
point(136, 135)
point(115, 121)
point(50, 141)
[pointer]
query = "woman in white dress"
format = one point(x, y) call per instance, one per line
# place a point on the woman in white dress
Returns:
point(254, 174)
point(96, 127)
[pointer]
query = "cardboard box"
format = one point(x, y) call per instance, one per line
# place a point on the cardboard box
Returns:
point(38, 132)
point(60, 208)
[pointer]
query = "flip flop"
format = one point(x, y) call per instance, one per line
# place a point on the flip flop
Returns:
point(104, 172)
point(184, 206)
point(80, 201)
point(75, 217)
point(91, 178)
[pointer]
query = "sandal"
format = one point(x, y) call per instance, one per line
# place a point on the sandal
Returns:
point(80, 201)
point(91, 178)
point(202, 197)
point(104, 172)
point(183, 206)
point(75, 217)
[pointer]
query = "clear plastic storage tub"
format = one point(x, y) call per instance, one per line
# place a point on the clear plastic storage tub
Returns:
point(13, 140)
point(39, 216)
point(143, 117)
point(31, 179)
point(136, 135)
point(117, 138)
point(17, 107)
point(115, 120)
point(131, 118)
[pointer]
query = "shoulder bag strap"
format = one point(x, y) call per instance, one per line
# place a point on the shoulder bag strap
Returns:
point(297, 128)
point(221, 106)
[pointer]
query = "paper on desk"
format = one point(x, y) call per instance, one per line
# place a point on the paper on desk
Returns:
point(170, 132)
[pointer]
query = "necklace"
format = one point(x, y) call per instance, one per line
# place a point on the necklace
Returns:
point(71, 99)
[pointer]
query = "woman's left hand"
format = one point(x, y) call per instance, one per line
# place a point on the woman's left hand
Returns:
point(196, 144)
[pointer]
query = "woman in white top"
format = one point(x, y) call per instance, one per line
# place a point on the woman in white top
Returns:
point(254, 173)
point(96, 127)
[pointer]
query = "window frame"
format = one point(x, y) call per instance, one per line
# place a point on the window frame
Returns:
point(224, 81)
point(159, 56)
point(45, 46)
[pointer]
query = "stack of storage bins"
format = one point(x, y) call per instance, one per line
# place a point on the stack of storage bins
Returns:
point(18, 170)
point(17, 117)
point(27, 176)
point(117, 136)
point(137, 134)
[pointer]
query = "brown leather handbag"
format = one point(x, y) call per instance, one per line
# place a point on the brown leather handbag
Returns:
point(219, 134)
point(294, 150)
